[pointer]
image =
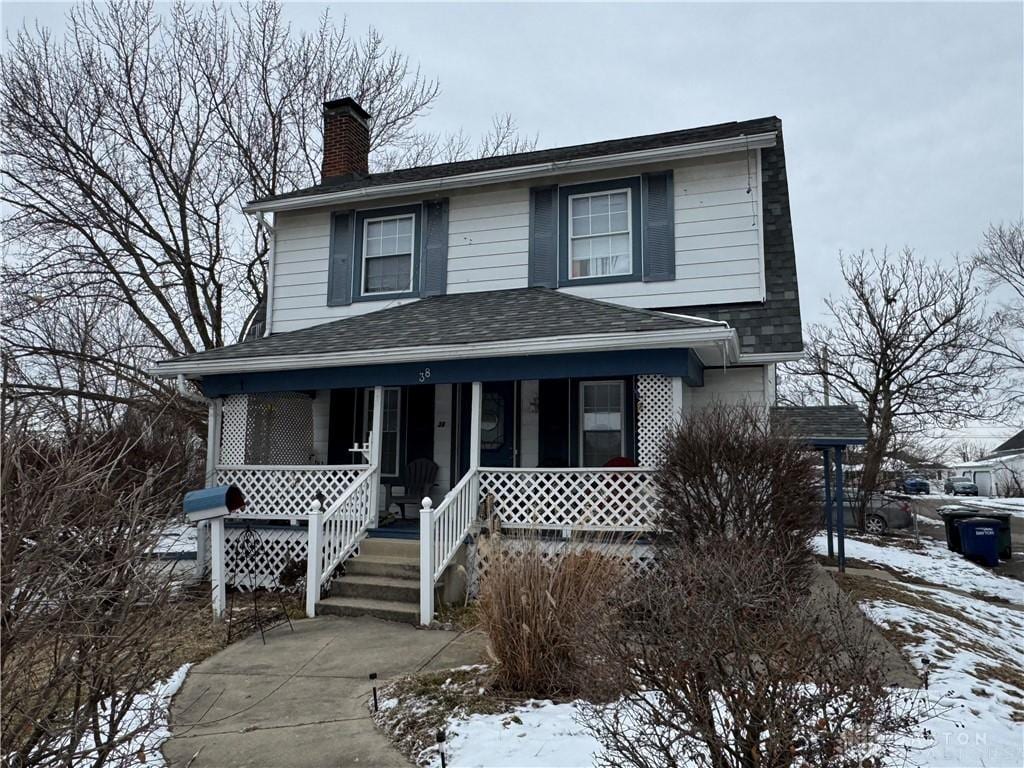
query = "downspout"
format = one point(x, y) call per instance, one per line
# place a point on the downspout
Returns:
point(268, 298)
point(188, 394)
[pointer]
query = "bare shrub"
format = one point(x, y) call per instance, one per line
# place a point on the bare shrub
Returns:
point(721, 661)
point(726, 472)
point(537, 600)
point(85, 607)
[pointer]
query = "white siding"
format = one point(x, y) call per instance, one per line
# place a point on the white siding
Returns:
point(718, 245)
point(733, 386)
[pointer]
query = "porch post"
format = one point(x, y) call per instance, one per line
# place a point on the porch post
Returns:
point(677, 399)
point(426, 561)
point(375, 450)
point(214, 426)
point(474, 425)
point(217, 582)
point(476, 416)
point(840, 509)
point(314, 546)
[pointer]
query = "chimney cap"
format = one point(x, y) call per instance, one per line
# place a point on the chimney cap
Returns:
point(347, 104)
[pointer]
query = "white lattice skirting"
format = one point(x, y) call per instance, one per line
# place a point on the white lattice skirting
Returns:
point(279, 546)
point(657, 412)
point(583, 499)
point(639, 558)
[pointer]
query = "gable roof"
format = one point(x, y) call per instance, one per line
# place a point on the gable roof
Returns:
point(1015, 443)
point(823, 423)
point(463, 318)
point(707, 133)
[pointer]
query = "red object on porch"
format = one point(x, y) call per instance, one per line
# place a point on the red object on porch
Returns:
point(620, 461)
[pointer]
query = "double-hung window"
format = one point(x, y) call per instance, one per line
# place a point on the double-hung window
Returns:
point(388, 254)
point(600, 234)
point(602, 418)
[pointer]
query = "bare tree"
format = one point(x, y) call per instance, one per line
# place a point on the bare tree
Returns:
point(131, 144)
point(1001, 259)
point(86, 614)
point(906, 344)
point(967, 450)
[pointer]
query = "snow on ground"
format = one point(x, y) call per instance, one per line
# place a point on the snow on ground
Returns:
point(975, 661)
point(148, 715)
point(540, 734)
point(933, 563)
point(1014, 506)
point(176, 537)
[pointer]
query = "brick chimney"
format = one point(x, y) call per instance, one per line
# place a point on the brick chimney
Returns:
point(346, 139)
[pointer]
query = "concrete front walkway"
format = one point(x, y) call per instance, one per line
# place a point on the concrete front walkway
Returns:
point(300, 700)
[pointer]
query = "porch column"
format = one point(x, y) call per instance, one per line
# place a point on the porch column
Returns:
point(476, 414)
point(214, 425)
point(376, 430)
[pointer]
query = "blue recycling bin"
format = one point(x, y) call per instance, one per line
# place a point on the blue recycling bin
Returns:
point(979, 537)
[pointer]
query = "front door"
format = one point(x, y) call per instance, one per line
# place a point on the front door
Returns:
point(497, 424)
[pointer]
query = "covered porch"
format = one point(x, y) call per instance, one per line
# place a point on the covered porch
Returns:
point(557, 431)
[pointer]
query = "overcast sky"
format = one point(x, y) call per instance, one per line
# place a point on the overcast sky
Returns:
point(904, 123)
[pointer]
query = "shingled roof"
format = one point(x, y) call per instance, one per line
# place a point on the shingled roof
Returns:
point(816, 423)
point(557, 154)
point(461, 318)
point(1013, 445)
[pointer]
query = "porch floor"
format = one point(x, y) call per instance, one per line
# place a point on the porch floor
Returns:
point(300, 701)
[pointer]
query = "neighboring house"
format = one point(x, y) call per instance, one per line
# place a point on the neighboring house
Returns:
point(531, 324)
point(1001, 473)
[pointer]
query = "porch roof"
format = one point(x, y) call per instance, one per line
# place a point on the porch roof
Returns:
point(823, 425)
point(459, 326)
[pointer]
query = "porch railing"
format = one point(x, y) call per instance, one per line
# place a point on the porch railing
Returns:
point(341, 528)
point(288, 489)
point(603, 499)
point(442, 532)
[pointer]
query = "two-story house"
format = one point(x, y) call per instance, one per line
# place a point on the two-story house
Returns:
point(520, 328)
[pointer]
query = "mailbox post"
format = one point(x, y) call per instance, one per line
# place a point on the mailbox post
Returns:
point(212, 505)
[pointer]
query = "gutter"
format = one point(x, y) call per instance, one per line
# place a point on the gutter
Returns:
point(479, 178)
point(710, 336)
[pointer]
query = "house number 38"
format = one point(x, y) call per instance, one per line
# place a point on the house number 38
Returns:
point(424, 375)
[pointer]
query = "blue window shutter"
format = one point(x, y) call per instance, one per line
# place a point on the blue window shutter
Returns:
point(339, 271)
point(543, 270)
point(435, 247)
point(659, 226)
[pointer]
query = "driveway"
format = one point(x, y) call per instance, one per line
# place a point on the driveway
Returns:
point(300, 700)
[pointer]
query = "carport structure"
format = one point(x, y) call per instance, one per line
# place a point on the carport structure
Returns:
point(830, 429)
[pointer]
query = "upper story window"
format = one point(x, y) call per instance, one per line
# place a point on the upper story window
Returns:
point(599, 225)
point(388, 252)
point(599, 234)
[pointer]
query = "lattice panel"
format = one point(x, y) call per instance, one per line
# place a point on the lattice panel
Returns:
point(639, 558)
point(656, 413)
point(287, 490)
point(280, 546)
point(232, 429)
point(619, 499)
point(279, 429)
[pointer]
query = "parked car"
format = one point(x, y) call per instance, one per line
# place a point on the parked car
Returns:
point(916, 485)
point(884, 512)
point(960, 486)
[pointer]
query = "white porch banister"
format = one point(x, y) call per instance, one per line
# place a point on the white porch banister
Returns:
point(288, 489)
point(442, 532)
point(607, 499)
point(335, 534)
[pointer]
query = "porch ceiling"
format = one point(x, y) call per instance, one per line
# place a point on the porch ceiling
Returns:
point(510, 323)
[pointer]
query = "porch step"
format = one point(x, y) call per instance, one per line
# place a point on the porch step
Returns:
point(405, 548)
point(388, 566)
point(390, 610)
point(377, 588)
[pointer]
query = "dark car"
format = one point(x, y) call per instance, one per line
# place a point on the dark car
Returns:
point(884, 512)
point(916, 485)
point(960, 486)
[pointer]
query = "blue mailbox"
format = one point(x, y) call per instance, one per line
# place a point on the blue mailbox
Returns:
point(207, 503)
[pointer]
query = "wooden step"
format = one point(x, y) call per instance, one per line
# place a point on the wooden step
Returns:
point(388, 610)
point(402, 590)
